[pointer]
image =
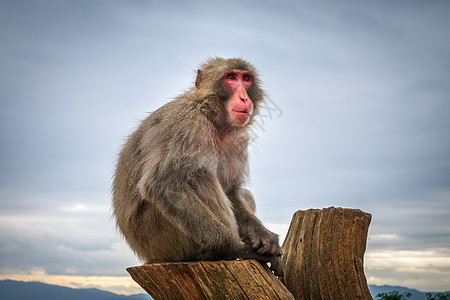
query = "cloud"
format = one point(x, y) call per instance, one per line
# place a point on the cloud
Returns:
point(385, 237)
point(362, 87)
point(64, 237)
point(427, 270)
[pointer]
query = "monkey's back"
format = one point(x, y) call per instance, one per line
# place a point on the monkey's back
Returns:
point(153, 165)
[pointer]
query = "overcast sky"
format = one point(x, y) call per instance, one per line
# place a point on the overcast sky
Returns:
point(358, 117)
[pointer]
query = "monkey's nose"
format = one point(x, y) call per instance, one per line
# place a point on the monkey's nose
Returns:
point(242, 92)
point(244, 97)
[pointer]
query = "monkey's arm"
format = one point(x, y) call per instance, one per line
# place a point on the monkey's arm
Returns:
point(205, 185)
point(261, 244)
point(251, 230)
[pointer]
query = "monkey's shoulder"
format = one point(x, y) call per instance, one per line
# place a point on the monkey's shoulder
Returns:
point(175, 126)
point(178, 112)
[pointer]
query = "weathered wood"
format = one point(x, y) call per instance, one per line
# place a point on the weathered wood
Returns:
point(323, 254)
point(246, 279)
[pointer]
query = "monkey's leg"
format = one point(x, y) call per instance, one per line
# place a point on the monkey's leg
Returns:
point(201, 210)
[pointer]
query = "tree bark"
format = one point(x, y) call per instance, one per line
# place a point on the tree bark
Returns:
point(323, 254)
point(247, 279)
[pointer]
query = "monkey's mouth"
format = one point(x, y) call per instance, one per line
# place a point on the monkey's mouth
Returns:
point(240, 111)
point(240, 117)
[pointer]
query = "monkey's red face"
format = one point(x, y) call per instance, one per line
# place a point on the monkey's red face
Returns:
point(240, 106)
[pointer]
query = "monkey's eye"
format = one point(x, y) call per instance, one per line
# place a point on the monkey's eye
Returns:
point(246, 77)
point(231, 76)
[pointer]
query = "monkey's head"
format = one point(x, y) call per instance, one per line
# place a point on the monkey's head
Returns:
point(231, 91)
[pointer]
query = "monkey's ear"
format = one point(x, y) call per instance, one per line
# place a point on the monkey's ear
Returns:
point(198, 79)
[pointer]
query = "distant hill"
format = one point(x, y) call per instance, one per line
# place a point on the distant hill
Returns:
point(19, 290)
point(416, 295)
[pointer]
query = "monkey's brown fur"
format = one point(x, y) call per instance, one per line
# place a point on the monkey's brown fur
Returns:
point(177, 192)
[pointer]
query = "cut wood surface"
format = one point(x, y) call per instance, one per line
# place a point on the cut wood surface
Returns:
point(323, 254)
point(246, 279)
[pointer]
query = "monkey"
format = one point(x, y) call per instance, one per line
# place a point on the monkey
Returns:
point(178, 188)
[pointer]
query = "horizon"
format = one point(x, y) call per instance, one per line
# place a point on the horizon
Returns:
point(371, 286)
point(356, 117)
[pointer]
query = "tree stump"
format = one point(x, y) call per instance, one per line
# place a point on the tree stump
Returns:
point(323, 254)
point(247, 279)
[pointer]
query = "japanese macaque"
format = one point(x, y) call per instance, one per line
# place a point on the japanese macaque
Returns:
point(178, 188)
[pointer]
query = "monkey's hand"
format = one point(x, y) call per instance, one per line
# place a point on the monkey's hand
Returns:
point(247, 252)
point(263, 241)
